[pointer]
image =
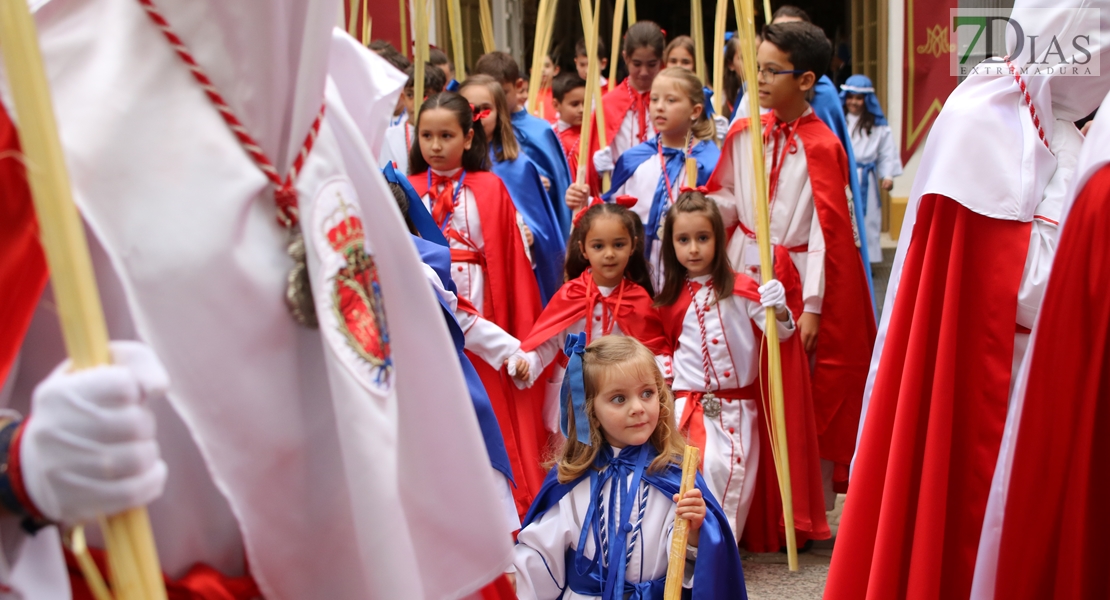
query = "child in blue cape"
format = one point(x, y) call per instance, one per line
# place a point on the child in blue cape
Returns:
point(601, 526)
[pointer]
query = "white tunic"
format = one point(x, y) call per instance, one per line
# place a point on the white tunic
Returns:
point(642, 185)
point(794, 222)
point(732, 438)
point(628, 135)
point(540, 560)
point(876, 147)
point(395, 149)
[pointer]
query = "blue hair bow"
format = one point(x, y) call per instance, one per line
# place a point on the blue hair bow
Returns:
point(574, 387)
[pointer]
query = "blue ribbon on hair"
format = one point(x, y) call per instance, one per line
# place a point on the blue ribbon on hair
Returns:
point(574, 387)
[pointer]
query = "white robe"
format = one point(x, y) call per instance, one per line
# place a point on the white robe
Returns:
point(628, 135)
point(875, 147)
point(539, 556)
point(396, 146)
point(732, 438)
point(794, 221)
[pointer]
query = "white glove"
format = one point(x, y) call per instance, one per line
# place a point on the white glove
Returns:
point(773, 295)
point(531, 361)
point(88, 448)
point(722, 126)
point(603, 160)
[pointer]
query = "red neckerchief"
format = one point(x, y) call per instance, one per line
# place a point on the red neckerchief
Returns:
point(444, 195)
point(608, 315)
point(641, 102)
point(789, 146)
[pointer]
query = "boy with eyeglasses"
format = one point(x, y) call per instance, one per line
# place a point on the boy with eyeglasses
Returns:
point(813, 225)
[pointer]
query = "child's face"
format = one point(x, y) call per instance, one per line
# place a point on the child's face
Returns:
point(582, 63)
point(680, 57)
point(514, 93)
point(549, 70)
point(780, 91)
point(737, 64)
point(571, 108)
point(627, 406)
point(407, 100)
point(442, 142)
point(608, 246)
point(694, 243)
point(482, 99)
point(447, 71)
point(672, 113)
point(643, 66)
point(854, 104)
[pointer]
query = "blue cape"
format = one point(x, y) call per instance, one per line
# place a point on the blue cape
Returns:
point(706, 153)
point(418, 213)
point(540, 142)
point(828, 107)
point(718, 573)
point(439, 259)
point(549, 248)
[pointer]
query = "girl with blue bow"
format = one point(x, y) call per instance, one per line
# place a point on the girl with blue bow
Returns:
point(601, 525)
point(877, 161)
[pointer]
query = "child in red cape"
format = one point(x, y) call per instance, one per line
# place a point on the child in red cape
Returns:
point(608, 288)
point(811, 217)
point(498, 296)
point(714, 320)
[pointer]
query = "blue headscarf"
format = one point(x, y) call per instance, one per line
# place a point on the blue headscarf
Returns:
point(860, 84)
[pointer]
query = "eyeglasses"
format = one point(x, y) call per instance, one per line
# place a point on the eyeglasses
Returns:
point(767, 74)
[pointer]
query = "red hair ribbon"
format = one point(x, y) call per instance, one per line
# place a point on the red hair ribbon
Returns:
point(700, 189)
point(478, 116)
point(663, 31)
point(625, 201)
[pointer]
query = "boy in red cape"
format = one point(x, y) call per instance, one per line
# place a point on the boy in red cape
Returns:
point(812, 219)
point(967, 282)
point(1051, 475)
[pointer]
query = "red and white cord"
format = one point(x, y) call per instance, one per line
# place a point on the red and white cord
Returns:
point(1028, 102)
point(284, 194)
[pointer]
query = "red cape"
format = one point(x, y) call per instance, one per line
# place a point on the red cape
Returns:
point(847, 332)
point(513, 303)
point(569, 138)
point(23, 271)
point(1060, 478)
point(764, 530)
point(938, 407)
point(545, 108)
point(636, 317)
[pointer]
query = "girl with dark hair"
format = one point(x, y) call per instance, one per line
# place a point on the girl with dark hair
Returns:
point(607, 292)
point(655, 170)
point(498, 297)
point(877, 161)
point(714, 320)
point(627, 105)
point(544, 239)
point(601, 527)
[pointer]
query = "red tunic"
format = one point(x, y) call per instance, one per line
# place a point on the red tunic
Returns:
point(847, 331)
point(764, 530)
point(1060, 477)
point(937, 411)
point(512, 301)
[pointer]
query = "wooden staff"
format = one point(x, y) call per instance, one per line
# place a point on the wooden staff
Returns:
point(592, 93)
point(591, 29)
point(136, 573)
point(352, 18)
point(697, 31)
point(676, 565)
point(419, 55)
point(719, 56)
point(404, 27)
point(746, 26)
point(538, 51)
point(767, 11)
point(615, 49)
point(454, 21)
point(631, 12)
point(485, 19)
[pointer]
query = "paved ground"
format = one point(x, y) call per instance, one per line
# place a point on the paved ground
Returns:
point(767, 575)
